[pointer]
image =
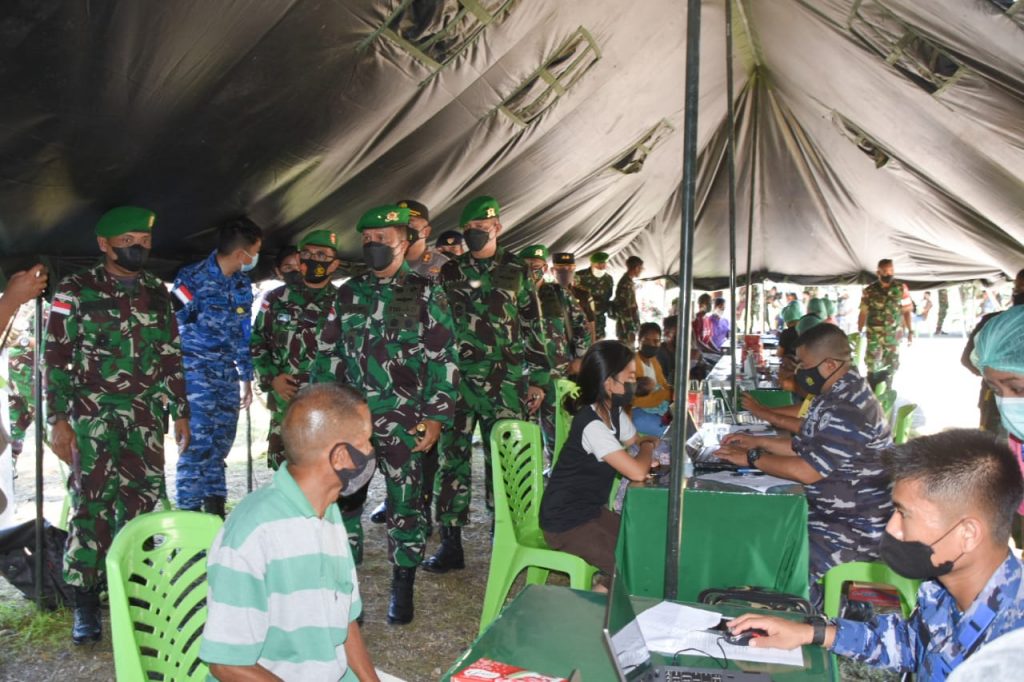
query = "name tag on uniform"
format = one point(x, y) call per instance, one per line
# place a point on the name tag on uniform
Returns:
point(283, 317)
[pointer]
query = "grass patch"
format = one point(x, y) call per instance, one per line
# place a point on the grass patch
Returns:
point(23, 628)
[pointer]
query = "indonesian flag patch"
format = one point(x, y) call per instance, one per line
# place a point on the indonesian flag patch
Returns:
point(331, 314)
point(62, 304)
point(183, 294)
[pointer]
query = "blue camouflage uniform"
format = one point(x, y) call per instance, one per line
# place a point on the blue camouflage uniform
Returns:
point(842, 438)
point(937, 637)
point(215, 325)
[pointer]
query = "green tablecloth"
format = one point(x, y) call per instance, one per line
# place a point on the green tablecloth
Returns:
point(553, 630)
point(729, 539)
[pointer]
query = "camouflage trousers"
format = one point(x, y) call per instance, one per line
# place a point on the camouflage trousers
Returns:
point(351, 507)
point(116, 475)
point(600, 325)
point(882, 350)
point(22, 414)
point(625, 331)
point(275, 444)
point(547, 420)
point(406, 514)
point(831, 545)
point(20, 406)
point(474, 405)
point(213, 401)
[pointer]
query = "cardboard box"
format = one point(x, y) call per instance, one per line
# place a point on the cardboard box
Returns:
point(493, 671)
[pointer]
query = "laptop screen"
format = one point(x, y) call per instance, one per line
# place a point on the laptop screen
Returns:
point(623, 637)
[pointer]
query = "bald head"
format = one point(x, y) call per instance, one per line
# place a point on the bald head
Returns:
point(321, 415)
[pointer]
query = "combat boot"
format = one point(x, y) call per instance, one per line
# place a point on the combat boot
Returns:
point(214, 504)
point(400, 609)
point(448, 556)
point(380, 514)
point(86, 626)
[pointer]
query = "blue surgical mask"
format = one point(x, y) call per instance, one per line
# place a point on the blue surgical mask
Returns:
point(1012, 412)
point(247, 267)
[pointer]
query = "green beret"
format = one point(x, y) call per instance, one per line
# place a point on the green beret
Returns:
point(319, 238)
point(817, 307)
point(599, 257)
point(807, 322)
point(123, 219)
point(480, 208)
point(535, 251)
point(390, 215)
point(830, 307)
point(563, 258)
point(792, 312)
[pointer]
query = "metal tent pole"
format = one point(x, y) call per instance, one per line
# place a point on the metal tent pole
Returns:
point(730, 163)
point(682, 379)
point(753, 193)
point(37, 397)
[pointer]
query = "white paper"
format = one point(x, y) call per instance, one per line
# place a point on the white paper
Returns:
point(759, 482)
point(630, 648)
point(663, 624)
point(707, 642)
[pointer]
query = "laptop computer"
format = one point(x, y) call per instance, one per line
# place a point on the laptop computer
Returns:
point(703, 456)
point(632, 659)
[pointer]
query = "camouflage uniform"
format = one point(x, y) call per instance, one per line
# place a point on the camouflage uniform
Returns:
point(600, 289)
point(627, 314)
point(294, 326)
point(563, 327)
point(842, 438)
point(113, 364)
point(943, 309)
point(429, 264)
point(395, 344)
point(20, 358)
point(215, 322)
point(586, 305)
point(498, 356)
point(884, 308)
point(937, 637)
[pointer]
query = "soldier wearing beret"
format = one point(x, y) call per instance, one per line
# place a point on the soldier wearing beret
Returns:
point(564, 266)
point(450, 243)
point(490, 296)
point(215, 319)
point(627, 312)
point(599, 284)
point(396, 345)
point(563, 327)
point(423, 260)
point(113, 373)
point(295, 324)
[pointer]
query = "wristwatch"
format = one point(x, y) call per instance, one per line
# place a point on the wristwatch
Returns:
point(753, 454)
point(818, 623)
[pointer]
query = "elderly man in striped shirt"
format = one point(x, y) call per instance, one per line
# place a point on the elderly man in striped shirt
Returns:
point(283, 596)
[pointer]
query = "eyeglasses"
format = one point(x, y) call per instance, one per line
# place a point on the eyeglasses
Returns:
point(316, 256)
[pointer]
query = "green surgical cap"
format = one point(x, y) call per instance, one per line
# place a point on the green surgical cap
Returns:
point(1000, 343)
point(807, 322)
point(792, 312)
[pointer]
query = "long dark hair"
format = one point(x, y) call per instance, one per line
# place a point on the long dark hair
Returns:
point(604, 359)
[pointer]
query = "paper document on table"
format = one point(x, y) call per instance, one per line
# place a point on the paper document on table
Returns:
point(759, 482)
point(665, 622)
point(707, 642)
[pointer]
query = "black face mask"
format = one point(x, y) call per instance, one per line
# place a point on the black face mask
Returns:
point(316, 271)
point(648, 351)
point(293, 278)
point(913, 559)
point(353, 480)
point(1018, 298)
point(131, 258)
point(624, 399)
point(885, 279)
point(476, 239)
point(564, 277)
point(378, 256)
point(811, 380)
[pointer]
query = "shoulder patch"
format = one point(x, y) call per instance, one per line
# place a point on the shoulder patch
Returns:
point(62, 304)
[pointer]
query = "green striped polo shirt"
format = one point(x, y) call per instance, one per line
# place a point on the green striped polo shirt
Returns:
point(282, 587)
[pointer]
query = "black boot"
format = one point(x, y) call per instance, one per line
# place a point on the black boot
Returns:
point(400, 608)
point(380, 514)
point(87, 626)
point(448, 556)
point(214, 504)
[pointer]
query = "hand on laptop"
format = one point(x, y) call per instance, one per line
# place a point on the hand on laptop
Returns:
point(782, 633)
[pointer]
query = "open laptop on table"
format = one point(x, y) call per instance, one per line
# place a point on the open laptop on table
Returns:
point(632, 658)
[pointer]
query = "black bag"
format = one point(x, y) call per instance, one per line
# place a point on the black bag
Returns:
point(17, 562)
point(748, 597)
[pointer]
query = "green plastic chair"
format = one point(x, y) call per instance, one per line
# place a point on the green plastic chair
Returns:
point(156, 577)
point(518, 461)
point(866, 572)
point(772, 398)
point(901, 426)
point(563, 420)
point(888, 400)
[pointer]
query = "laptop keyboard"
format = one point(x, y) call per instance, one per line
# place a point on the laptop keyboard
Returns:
point(691, 676)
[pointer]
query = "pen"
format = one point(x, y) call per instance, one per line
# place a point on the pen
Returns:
point(748, 470)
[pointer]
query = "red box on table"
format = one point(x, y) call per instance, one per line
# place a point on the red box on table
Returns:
point(486, 669)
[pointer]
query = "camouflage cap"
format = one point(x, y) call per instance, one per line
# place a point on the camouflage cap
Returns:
point(389, 215)
point(319, 238)
point(563, 258)
point(416, 209)
point(599, 257)
point(535, 251)
point(480, 208)
point(123, 219)
point(449, 238)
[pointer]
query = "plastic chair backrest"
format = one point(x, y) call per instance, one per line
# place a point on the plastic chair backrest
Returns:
point(156, 576)
point(880, 388)
point(563, 420)
point(866, 572)
point(518, 464)
point(901, 425)
point(857, 347)
point(770, 398)
point(888, 400)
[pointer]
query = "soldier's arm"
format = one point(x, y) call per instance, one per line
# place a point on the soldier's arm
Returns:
point(442, 375)
point(62, 330)
point(243, 356)
point(261, 347)
point(173, 370)
point(581, 336)
point(863, 317)
point(184, 290)
point(886, 641)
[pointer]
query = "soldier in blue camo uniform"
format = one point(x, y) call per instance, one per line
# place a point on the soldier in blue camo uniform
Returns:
point(838, 455)
point(955, 494)
point(215, 321)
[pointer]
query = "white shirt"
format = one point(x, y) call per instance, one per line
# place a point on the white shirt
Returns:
point(600, 441)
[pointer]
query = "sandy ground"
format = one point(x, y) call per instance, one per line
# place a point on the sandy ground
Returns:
point(448, 607)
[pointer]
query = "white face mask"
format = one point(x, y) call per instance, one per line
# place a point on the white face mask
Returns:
point(599, 273)
point(1012, 412)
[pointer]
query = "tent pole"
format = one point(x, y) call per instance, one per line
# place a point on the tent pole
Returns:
point(753, 187)
point(37, 397)
point(680, 429)
point(730, 163)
